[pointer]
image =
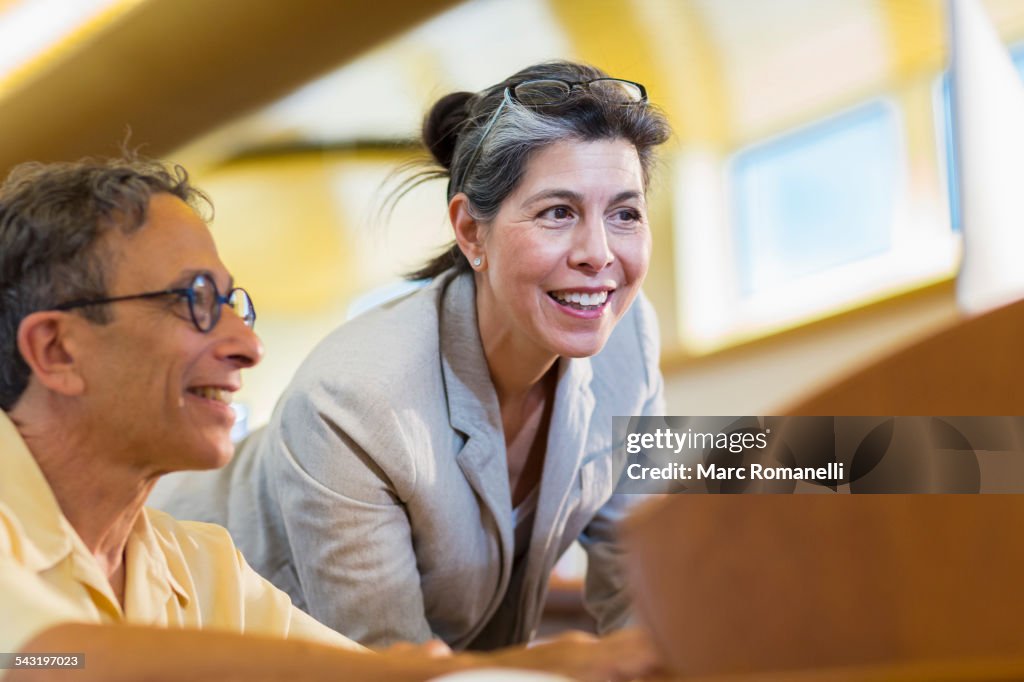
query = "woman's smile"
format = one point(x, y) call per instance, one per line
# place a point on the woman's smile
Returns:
point(585, 304)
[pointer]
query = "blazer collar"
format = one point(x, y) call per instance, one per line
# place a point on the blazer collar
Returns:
point(473, 410)
point(568, 441)
point(472, 403)
point(568, 444)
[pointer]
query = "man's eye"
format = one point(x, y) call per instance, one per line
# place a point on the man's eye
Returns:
point(178, 305)
point(203, 298)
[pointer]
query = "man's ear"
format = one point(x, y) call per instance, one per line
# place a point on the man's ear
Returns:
point(468, 231)
point(47, 342)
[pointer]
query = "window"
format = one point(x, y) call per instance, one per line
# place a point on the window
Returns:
point(826, 216)
point(816, 199)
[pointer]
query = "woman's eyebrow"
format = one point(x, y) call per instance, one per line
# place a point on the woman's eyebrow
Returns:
point(576, 197)
point(565, 194)
point(627, 194)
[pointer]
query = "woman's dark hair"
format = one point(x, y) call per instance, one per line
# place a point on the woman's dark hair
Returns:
point(453, 128)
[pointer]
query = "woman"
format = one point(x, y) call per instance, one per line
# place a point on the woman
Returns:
point(433, 458)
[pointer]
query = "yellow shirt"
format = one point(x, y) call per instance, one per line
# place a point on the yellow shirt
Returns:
point(177, 574)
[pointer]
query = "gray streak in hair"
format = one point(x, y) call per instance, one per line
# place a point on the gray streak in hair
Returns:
point(454, 126)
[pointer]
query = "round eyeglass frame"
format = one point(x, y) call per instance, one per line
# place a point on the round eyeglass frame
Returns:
point(243, 307)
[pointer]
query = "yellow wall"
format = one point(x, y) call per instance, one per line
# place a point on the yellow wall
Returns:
point(299, 231)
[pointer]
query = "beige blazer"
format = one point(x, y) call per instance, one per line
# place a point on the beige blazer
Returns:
point(378, 495)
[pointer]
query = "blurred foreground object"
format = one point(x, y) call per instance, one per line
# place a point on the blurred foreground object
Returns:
point(972, 367)
point(771, 583)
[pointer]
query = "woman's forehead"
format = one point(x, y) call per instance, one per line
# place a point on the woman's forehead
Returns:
point(604, 166)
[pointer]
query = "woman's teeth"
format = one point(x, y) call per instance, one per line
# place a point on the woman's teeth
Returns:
point(210, 393)
point(575, 299)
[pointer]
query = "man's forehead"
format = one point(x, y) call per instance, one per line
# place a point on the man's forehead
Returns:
point(172, 241)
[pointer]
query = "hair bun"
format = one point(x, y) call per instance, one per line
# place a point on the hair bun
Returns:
point(442, 125)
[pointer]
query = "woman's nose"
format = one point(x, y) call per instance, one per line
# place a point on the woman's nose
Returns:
point(590, 250)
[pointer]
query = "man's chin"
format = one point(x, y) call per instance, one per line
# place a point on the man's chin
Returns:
point(224, 456)
point(214, 457)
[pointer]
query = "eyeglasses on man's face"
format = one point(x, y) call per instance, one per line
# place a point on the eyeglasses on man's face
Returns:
point(204, 302)
point(547, 91)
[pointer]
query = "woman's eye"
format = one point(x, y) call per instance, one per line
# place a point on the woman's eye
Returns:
point(626, 215)
point(557, 213)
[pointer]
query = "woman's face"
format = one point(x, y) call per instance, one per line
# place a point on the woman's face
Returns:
point(568, 250)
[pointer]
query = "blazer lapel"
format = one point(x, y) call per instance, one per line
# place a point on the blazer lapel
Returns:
point(473, 410)
point(559, 492)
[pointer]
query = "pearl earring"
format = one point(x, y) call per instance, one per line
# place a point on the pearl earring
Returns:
point(476, 262)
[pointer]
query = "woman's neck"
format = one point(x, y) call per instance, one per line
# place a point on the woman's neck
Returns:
point(525, 379)
point(516, 365)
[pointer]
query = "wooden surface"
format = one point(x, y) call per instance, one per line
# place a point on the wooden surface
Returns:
point(965, 670)
point(852, 587)
point(743, 584)
point(974, 367)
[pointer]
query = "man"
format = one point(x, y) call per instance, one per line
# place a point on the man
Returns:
point(122, 338)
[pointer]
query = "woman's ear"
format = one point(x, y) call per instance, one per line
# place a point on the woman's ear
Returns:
point(47, 343)
point(468, 231)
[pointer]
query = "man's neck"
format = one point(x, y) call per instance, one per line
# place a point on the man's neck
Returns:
point(100, 493)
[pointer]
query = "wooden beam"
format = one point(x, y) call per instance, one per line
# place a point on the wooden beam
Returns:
point(174, 69)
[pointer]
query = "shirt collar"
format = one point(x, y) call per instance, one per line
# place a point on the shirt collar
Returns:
point(146, 552)
point(48, 536)
point(25, 491)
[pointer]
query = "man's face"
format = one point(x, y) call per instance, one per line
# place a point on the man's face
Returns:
point(154, 383)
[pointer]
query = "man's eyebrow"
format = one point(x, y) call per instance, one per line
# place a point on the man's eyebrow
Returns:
point(185, 278)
